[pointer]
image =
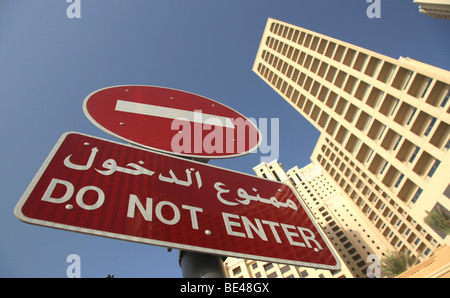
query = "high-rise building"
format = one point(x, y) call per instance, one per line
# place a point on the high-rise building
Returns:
point(384, 123)
point(435, 8)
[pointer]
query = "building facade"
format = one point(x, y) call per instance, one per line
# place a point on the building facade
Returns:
point(384, 123)
point(352, 236)
point(436, 266)
point(239, 268)
point(435, 8)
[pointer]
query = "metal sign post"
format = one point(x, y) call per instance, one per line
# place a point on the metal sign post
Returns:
point(198, 265)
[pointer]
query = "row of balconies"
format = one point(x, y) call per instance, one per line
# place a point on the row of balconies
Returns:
point(405, 115)
point(383, 211)
point(416, 85)
point(390, 140)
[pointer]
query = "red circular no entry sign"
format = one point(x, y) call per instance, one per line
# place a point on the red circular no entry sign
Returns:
point(172, 121)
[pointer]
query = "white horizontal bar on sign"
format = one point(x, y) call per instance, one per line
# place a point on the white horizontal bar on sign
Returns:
point(171, 113)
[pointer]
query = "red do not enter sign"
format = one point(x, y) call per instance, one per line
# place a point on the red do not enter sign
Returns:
point(172, 121)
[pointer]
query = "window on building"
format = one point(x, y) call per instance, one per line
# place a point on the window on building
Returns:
point(407, 80)
point(417, 195)
point(430, 126)
point(444, 102)
point(272, 275)
point(293, 182)
point(398, 142)
point(399, 180)
point(284, 269)
point(395, 106)
point(427, 87)
point(384, 167)
point(268, 266)
point(433, 168)
point(237, 270)
point(361, 264)
point(412, 116)
point(447, 192)
point(413, 156)
point(276, 176)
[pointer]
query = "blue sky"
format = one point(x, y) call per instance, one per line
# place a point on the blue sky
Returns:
point(50, 63)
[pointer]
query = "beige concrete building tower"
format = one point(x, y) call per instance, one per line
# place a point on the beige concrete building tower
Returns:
point(435, 8)
point(384, 123)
